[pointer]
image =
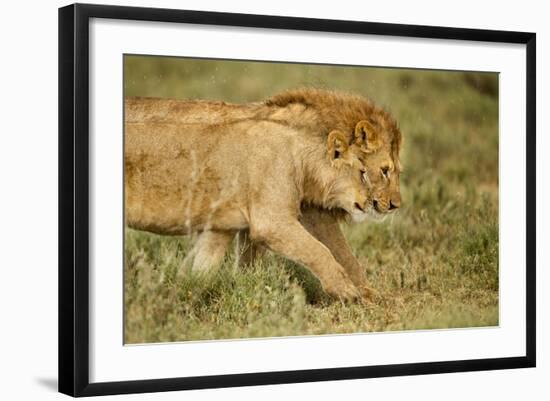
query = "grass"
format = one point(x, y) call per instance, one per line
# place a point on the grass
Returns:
point(435, 263)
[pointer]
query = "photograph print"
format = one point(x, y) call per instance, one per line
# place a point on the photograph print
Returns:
point(272, 199)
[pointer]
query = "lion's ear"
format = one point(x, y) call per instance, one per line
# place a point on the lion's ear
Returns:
point(366, 137)
point(337, 146)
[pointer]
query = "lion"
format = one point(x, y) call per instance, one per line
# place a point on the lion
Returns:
point(366, 131)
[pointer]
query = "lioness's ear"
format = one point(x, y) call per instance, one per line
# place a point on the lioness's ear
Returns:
point(337, 145)
point(366, 137)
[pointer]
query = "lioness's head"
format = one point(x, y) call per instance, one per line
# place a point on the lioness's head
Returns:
point(380, 143)
point(348, 189)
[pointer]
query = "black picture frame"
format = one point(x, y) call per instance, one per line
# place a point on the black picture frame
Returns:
point(74, 198)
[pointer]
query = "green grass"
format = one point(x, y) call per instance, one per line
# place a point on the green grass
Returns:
point(435, 263)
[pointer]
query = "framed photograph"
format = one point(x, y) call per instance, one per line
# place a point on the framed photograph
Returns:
point(250, 199)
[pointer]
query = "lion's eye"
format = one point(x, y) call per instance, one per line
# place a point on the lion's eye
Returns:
point(364, 175)
point(385, 171)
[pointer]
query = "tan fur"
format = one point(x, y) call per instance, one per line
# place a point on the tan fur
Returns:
point(218, 168)
point(314, 111)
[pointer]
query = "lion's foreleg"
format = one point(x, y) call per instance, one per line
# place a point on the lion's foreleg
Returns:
point(326, 229)
point(290, 239)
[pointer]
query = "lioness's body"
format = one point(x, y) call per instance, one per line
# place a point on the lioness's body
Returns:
point(181, 178)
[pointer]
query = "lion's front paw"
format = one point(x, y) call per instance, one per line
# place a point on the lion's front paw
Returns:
point(343, 289)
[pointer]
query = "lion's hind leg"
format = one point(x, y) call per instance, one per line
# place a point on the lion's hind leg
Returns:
point(209, 250)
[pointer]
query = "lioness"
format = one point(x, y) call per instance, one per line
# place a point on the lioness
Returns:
point(374, 140)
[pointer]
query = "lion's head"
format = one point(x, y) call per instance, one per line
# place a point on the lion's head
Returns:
point(346, 183)
point(380, 145)
point(364, 176)
point(366, 126)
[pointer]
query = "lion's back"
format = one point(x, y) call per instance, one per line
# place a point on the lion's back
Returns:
point(149, 109)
